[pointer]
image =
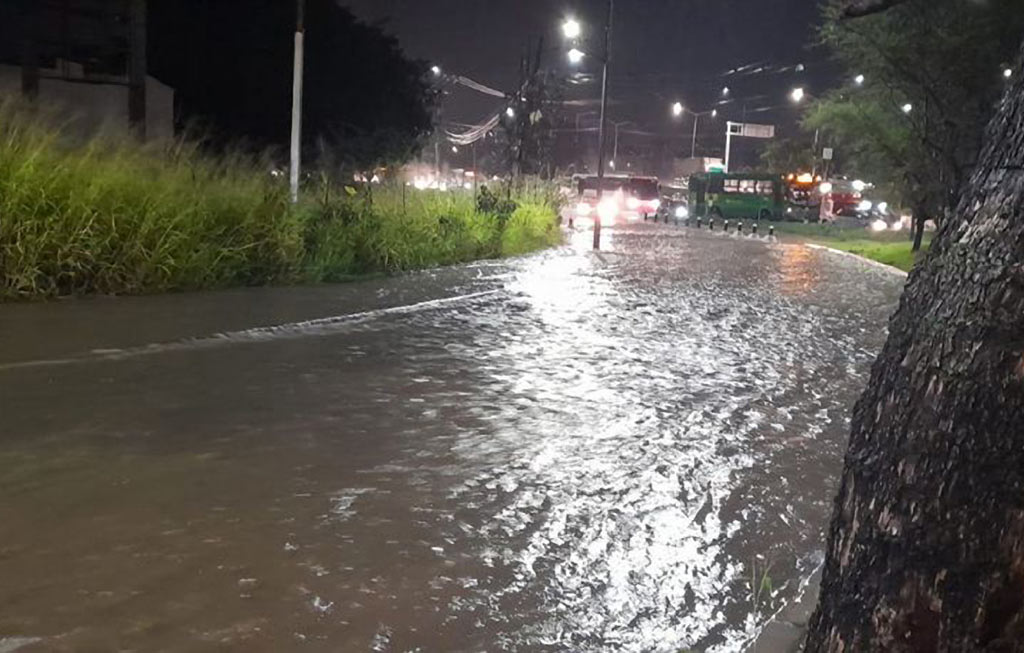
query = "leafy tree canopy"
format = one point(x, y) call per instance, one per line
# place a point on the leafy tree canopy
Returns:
point(942, 61)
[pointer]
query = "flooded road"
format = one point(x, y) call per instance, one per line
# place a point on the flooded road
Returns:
point(628, 451)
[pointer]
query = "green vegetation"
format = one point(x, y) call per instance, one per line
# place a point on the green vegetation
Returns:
point(112, 216)
point(889, 247)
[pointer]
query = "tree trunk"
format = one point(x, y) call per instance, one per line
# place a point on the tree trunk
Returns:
point(918, 220)
point(926, 546)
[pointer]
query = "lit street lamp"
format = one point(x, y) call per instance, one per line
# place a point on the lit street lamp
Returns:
point(510, 112)
point(907, 108)
point(858, 80)
point(725, 91)
point(797, 95)
point(677, 109)
point(436, 70)
point(1007, 73)
point(571, 28)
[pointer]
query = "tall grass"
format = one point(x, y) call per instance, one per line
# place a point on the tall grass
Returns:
point(111, 216)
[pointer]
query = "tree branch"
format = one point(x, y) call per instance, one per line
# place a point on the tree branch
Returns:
point(868, 7)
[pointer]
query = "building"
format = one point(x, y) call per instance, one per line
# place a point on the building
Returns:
point(85, 60)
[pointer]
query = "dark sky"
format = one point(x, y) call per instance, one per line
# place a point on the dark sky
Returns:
point(663, 50)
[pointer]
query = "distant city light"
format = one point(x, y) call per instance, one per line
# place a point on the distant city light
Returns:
point(575, 56)
point(797, 94)
point(858, 80)
point(436, 70)
point(677, 109)
point(907, 108)
point(571, 28)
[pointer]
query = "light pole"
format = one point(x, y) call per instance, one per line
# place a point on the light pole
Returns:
point(678, 110)
point(615, 146)
point(296, 149)
point(572, 30)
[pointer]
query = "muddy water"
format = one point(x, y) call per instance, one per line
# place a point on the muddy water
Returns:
point(629, 451)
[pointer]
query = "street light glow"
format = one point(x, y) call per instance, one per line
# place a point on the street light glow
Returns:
point(725, 91)
point(455, 150)
point(611, 164)
point(436, 70)
point(677, 109)
point(714, 113)
point(510, 112)
point(858, 80)
point(907, 108)
point(1007, 73)
point(575, 56)
point(797, 95)
point(571, 28)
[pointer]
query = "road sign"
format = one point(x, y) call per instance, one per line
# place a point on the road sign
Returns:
point(827, 154)
point(748, 129)
point(751, 130)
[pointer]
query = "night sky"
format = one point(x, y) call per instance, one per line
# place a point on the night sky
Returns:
point(663, 50)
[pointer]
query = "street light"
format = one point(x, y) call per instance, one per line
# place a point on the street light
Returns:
point(1007, 73)
point(714, 113)
point(510, 112)
point(436, 70)
point(907, 108)
point(677, 109)
point(725, 91)
point(797, 94)
point(571, 28)
point(858, 80)
point(455, 150)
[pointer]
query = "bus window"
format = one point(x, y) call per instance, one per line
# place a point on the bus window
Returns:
point(765, 188)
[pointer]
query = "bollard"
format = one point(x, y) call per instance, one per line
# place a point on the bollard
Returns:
point(726, 227)
point(771, 230)
point(711, 224)
point(698, 222)
point(753, 228)
point(739, 228)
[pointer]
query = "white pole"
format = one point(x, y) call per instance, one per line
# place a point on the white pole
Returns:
point(728, 144)
point(297, 106)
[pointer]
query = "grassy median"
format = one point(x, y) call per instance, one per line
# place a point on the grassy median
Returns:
point(888, 247)
point(115, 217)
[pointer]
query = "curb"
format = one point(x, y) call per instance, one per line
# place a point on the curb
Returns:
point(887, 268)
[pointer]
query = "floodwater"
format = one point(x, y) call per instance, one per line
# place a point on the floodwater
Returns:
point(628, 451)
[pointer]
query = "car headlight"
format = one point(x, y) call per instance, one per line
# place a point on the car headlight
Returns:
point(632, 203)
point(607, 210)
point(583, 208)
point(879, 225)
point(655, 204)
point(865, 205)
point(682, 212)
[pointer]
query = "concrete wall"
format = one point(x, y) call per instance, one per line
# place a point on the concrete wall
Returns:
point(90, 107)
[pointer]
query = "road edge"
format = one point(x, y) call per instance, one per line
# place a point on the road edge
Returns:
point(889, 268)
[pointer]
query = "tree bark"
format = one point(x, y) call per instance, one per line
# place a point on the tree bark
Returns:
point(926, 545)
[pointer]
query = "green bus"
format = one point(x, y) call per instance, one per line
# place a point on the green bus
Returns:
point(738, 195)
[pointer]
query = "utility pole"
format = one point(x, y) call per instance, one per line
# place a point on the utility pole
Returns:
point(601, 129)
point(137, 68)
point(296, 153)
